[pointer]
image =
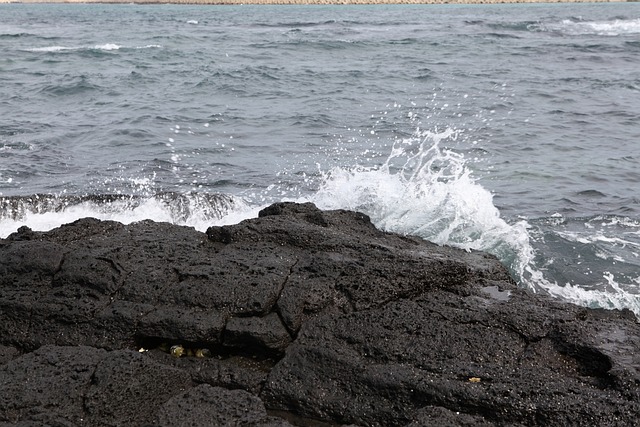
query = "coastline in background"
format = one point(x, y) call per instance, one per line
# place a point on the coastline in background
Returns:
point(336, 2)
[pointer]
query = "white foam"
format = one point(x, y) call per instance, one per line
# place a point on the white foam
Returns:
point(105, 46)
point(596, 237)
point(426, 190)
point(48, 220)
point(50, 49)
point(613, 295)
point(190, 210)
point(615, 27)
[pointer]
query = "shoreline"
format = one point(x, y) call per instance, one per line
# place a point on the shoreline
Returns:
point(310, 2)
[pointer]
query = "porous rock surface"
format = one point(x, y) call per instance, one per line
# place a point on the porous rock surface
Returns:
point(310, 318)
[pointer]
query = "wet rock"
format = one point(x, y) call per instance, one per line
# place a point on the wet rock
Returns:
point(307, 317)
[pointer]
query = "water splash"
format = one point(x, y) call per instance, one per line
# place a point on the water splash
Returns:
point(426, 189)
point(43, 212)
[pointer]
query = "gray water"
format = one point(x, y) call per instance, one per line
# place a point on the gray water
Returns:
point(508, 128)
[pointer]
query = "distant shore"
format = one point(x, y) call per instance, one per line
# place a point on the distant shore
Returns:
point(310, 2)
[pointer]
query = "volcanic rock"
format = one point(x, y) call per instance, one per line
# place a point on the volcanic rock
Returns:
point(298, 317)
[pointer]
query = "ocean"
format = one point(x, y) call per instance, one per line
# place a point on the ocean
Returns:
point(513, 129)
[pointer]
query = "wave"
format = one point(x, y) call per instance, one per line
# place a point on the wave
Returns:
point(15, 35)
point(20, 34)
point(320, 44)
point(571, 27)
point(591, 261)
point(71, 86)
point(511, 26)
point(295, 24)
point(424, 188)
point(43, 212)
point(576, 27)
point(101, 47)
point(106, 46)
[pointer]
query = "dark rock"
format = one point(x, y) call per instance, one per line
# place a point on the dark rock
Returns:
point(455, 352)
point(442, 417)
point(266, 332)
point(216, 405)
point(8, 353)
point(300, 316)
point(86, 385)
point(48, 384)
point(129, 388)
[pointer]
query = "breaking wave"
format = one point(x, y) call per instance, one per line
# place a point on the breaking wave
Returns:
point(43, 212)
point(101, 47)
point(424, 188)
point(577, 26)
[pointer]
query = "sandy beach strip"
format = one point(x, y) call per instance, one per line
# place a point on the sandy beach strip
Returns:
point(312, 2)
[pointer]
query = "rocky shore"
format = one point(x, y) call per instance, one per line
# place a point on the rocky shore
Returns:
point(298, 317)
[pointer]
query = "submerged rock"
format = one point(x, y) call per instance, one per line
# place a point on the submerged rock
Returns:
point(298, 317)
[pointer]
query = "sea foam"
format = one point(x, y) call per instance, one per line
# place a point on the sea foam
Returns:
point(101, 47)
point(615, 27)
point(198, 210)
point(425, 189)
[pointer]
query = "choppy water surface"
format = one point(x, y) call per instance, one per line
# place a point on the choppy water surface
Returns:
point(509, 128)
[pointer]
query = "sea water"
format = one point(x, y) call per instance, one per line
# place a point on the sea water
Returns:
point(513, 129)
